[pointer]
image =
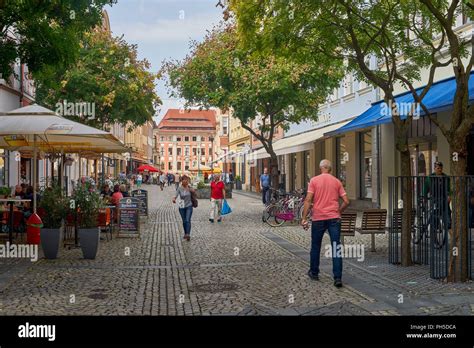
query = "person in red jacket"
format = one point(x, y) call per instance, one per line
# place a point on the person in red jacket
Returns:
point(217, 196)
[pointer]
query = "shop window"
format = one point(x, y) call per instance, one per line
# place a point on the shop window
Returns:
point(365, 143)
point(342, 157)
point(423, 156)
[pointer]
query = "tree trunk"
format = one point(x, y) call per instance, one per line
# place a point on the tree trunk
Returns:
point(407, 194)
point(459, 234)
point(407, 197)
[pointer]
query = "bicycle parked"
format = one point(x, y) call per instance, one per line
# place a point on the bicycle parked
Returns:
point(429, 221)
point(289, 207)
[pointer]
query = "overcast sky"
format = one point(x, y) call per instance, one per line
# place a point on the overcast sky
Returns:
point(162, 29)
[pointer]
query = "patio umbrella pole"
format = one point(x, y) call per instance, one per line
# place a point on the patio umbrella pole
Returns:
point(61, 171)
point(103, 169)
point(35, 174)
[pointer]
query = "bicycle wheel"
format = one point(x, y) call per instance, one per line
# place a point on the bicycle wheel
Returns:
point(267, 212)
point(417, 232)
point(300, 213)
point(440, 235)
point(272, 220)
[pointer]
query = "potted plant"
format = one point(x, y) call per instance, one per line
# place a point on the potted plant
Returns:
point(87, 205)
point(238, 182)
point(54, 207)
point(5, 191)
point(203, 191)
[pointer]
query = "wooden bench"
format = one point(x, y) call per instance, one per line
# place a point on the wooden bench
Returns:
point(373, 222)
point(348, 225)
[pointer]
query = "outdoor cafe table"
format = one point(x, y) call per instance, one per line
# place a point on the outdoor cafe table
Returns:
point(12, 202)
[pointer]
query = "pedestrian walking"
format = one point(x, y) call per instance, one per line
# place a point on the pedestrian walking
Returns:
point(265, 182)
point(139, 180)
point(162, 180)
point(185, 204)
point(217, 196)
point(176, 180)
point(324, 192)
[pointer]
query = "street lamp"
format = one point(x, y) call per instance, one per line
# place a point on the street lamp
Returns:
point(211, 139)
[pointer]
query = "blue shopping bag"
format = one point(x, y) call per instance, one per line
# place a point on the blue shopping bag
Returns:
point(225, 208)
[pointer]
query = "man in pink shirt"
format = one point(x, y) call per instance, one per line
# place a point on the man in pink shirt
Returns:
point(324, 192)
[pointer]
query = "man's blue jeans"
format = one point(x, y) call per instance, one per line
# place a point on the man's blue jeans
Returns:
point(265, 195)
point(186, 214)
point(317, 232)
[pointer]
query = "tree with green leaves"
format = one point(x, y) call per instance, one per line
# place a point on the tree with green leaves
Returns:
point(268, 89)
point(404, 36)
point(109, 78)
point(44, 34)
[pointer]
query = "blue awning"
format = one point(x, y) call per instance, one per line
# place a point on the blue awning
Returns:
point(439, 98)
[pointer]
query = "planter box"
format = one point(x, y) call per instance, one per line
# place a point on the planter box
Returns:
point(50, 241)
point(238, 185)
point(89, 239)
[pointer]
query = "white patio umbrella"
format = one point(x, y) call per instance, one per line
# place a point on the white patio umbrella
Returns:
point(35, 127)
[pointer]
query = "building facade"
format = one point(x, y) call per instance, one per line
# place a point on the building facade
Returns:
point(185, 140)
point(239, 146)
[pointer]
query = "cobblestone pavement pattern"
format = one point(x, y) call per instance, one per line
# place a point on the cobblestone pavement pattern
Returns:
point(238, 267)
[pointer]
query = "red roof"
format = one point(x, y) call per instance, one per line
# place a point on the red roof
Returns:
point(189, 119)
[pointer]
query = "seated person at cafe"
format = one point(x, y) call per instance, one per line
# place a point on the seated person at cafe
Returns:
point(116, 196)
point(123, 190)
point(19, 192)
point(106, 192)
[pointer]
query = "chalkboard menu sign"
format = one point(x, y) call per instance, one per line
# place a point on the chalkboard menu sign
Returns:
point(142, 195)
point(129, 217)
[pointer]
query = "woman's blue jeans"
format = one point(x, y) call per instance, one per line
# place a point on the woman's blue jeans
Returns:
point(186, 214)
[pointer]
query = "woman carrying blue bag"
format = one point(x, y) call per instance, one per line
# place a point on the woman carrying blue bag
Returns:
point(225, 208)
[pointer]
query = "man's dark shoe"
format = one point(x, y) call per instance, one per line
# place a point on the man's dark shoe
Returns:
point(312, 276)
point(211, 220)
point(337, 283)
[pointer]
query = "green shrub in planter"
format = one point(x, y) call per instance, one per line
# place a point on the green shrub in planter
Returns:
point(201, 185)
point(55, 206)
point(5, 191)
point(87, 205)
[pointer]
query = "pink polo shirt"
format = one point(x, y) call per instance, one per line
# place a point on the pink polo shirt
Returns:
point(327, 190)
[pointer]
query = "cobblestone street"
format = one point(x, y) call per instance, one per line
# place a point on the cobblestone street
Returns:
point(239, 267)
